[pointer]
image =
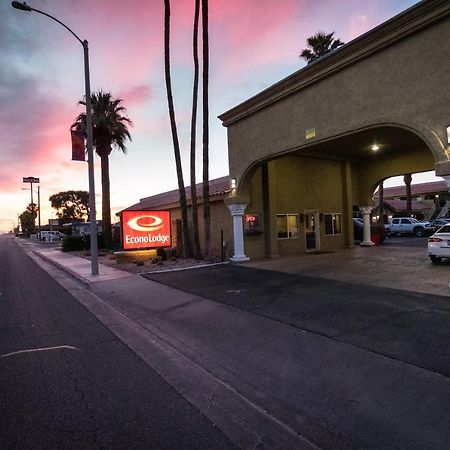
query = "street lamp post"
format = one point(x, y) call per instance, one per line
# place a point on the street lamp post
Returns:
point(39, 207)
point(90, 151)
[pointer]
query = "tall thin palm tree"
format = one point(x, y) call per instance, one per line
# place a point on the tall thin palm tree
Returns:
point(110, 131)
point(197, 252)
point(206, 208)
point(173, 127)
point(318, 45)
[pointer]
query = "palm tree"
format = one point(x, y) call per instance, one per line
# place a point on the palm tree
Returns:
point(173, 126)
point(206, 209)
point(197, 253)
point(318, 45)
point(110, 130)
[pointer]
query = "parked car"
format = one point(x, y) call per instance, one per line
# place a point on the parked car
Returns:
point(437, 223)
point(51, 236)
point(439, 244)
point(409, 225)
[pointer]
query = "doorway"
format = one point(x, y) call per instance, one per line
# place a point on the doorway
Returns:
point(312, 230)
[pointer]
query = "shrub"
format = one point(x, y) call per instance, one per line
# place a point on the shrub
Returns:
point(74, 243)
point(161, 252)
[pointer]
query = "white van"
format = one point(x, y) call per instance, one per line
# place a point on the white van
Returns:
point(51, 236)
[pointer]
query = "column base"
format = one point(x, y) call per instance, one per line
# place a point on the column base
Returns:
point(239, 259)
point(367, 243)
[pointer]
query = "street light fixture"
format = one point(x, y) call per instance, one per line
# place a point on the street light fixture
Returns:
point(90, 151)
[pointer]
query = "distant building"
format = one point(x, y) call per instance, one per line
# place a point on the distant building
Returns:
point(428, 200)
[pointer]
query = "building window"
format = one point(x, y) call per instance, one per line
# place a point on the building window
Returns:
point(287, 226)
point(333, 224)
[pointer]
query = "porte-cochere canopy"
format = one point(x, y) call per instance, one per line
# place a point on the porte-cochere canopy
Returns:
point(308, 151)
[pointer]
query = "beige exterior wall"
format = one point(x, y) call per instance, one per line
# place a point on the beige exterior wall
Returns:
point(302, 183)
point(220, 220)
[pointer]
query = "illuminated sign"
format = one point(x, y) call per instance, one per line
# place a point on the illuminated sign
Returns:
point(145, 229)
point(251, 223)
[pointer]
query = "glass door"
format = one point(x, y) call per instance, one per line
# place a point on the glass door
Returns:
point(312, 232)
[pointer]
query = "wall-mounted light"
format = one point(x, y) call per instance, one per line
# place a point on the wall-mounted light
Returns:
point(448, 135)
point(374, 147)
point(233, 183)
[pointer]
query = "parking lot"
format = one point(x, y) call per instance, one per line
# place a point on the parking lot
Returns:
point(398, 263)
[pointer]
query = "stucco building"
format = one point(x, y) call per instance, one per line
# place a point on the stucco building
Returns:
point(309, 150)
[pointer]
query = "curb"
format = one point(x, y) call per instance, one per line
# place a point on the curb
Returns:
point(72, 273)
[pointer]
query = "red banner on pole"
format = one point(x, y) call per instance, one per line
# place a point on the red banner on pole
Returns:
point(78, 148)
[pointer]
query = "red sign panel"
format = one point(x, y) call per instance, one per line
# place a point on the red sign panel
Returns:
point(145, 229)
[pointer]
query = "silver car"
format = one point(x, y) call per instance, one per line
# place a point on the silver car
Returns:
point(439, 244)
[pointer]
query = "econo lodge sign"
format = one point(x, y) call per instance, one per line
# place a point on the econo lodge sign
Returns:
point(145, 229)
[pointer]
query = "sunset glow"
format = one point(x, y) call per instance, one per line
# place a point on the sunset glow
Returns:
point(253, 44)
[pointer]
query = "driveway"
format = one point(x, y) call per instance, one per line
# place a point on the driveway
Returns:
point(399, 263)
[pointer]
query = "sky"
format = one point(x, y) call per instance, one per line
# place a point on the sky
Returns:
point(253, 44)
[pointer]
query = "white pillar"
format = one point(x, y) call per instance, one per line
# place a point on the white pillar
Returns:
point(237, 212)
point(366, 210)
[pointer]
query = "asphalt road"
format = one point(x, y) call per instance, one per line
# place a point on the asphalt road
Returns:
point(408, 327)
point(67, 382)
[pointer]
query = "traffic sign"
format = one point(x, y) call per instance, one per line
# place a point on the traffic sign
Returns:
point(30, 180)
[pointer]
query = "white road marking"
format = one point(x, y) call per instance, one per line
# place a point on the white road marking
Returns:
point(44, 349)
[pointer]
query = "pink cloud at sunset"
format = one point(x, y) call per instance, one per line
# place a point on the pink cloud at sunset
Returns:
point(253, 44)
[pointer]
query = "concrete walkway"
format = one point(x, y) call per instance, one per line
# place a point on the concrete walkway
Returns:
point(269, 382)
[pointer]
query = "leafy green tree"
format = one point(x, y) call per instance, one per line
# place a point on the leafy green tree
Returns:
point(27, 219)
point(71, 205)
point(319, 45)
point(110, 131)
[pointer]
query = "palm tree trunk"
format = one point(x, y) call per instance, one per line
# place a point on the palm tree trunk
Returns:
point(381, 204)
point(407, 180)
point(197, 252)
point(206, 208)
point(173, 126)
point(106, 208)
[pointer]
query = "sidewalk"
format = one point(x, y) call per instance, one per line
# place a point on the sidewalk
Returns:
point(267, 381)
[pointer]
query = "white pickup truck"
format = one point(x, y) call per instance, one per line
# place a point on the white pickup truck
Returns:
point(409, 225)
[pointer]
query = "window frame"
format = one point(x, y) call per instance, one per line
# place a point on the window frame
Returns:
point(286, 215)
point(333, 230)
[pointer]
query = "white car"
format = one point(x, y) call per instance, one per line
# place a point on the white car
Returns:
point(52, 236)
point(439, 244)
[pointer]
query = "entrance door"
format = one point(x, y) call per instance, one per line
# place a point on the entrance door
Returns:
point(312, 231)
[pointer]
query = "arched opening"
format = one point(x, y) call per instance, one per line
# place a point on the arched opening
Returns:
point(306, 197)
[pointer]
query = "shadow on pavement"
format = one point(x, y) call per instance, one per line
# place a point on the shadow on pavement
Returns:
point(405, 326)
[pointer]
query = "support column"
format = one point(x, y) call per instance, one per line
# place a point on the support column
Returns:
point(237, 212)
point(407, 180)
point(366, 210)
point(269, 199)
point(347, 195)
